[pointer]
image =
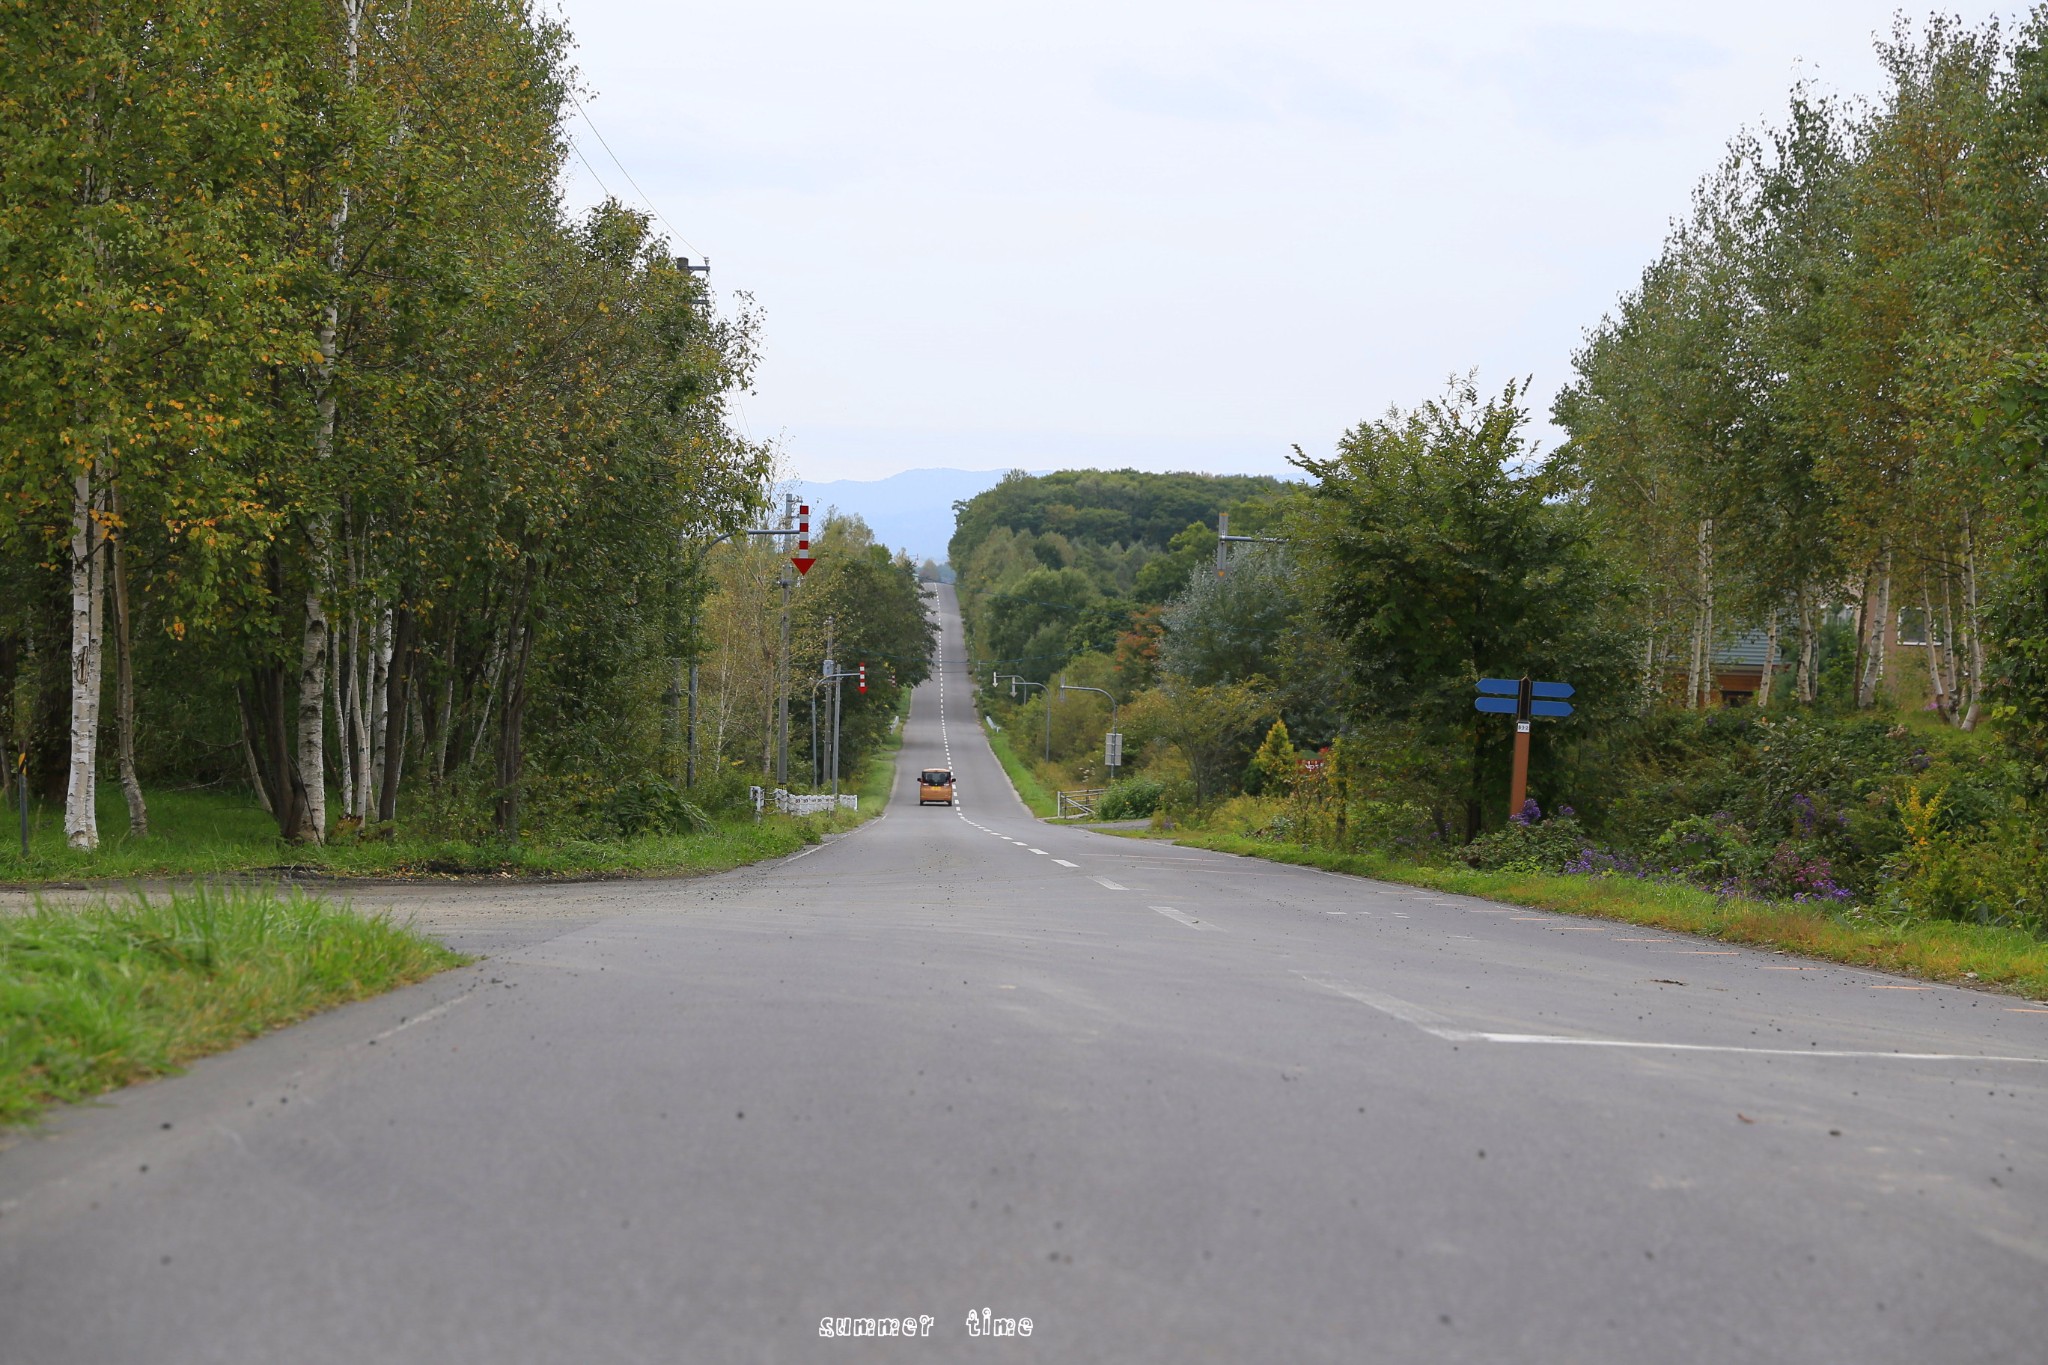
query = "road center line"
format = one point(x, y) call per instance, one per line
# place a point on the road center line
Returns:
point(1107, 883)
point(1179, 918)
point(1064, 863)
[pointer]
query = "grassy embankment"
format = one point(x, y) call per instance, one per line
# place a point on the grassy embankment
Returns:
point(1937, 950)
point(210, 833)
point(1036, 794)
point(96, 998)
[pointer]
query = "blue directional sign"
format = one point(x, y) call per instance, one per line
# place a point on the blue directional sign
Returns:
point(1503, 697)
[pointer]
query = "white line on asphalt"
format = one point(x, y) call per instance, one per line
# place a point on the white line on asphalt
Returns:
point(1104, 881)
point(1436, 1026)
point(1064, 863)
point(425, 1015)
point(1189, 920)
point(1041, 853)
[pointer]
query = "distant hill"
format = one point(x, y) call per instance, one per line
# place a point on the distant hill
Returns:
point(1121, 507)
point(911, 511)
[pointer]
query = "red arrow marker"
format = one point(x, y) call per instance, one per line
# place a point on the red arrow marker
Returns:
point(802, 558)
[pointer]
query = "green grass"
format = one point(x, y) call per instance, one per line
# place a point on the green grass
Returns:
point(1034, 792)
point(96, 998)
point(1936, 950)
point(211, 833)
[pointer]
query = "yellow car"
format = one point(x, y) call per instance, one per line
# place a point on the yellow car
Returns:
point(934, 784)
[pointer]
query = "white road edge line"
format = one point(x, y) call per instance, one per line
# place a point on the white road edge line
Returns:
point(425, 1016)
point(1436, 1026)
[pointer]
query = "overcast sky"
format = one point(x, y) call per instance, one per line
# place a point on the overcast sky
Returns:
point(1169, 235)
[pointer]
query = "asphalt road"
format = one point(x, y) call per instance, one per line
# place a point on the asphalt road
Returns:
point(1169, 1105)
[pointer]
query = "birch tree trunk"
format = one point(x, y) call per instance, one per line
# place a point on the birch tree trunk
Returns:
point(1933, 647)
point(313, 647)
point(493, 671)
point(447, 716)
point(1952, 646)
point(347, 702)
point(1699, 680)
point(124, 694)
point(1770, 675)
point(1973, 625)
point(88, 653)
point(512, 713)
point(256, 782)
point(1877, 622)
point(1802, 668)
point(312, 827)
point(398, 692)
point(337, 696)
point(370, 774)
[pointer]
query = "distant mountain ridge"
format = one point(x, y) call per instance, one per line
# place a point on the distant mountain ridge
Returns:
point(911, 511)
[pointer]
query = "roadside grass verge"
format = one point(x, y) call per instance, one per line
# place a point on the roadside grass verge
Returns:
point(1035, 793)
point(207, 834)
point(96, 998)
point(1936, 950)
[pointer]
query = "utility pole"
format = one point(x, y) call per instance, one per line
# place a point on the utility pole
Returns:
point(782, 751)
point(832, 667)
point(834, 674)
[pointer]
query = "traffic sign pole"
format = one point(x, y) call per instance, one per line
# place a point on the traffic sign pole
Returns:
point(1521, 698)
point(1518, 783)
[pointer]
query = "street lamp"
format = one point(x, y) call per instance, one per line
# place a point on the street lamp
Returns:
point(1113, 745)
point(1015, 680)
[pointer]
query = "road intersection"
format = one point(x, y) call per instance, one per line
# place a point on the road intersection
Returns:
point(1168, 1104)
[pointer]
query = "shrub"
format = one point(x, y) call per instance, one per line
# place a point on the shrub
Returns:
point(653, 806)
point(1998, 876)
point(721, 792)
point(1134, 798)
point(1530, 843)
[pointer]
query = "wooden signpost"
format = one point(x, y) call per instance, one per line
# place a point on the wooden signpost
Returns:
point(1522, 699)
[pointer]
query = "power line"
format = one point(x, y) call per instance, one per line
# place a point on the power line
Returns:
point(651, 205)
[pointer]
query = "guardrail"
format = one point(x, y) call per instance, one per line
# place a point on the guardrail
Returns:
point(791, 803)
point(1076, 803)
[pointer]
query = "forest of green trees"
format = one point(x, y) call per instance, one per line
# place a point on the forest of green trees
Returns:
point(341, 469)
point(1790, 553)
